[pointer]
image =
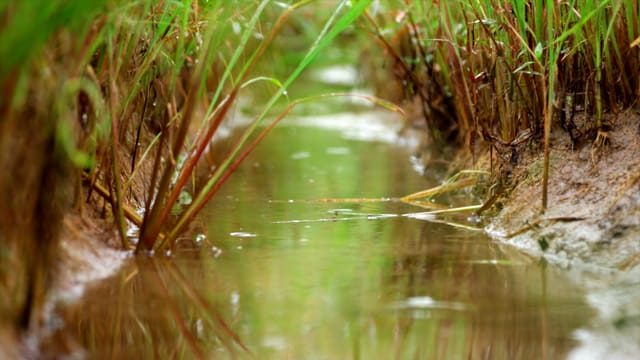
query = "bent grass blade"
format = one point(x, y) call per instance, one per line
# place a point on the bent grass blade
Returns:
point(469, 178)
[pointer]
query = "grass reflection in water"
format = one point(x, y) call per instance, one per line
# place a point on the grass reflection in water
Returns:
point(364, 287)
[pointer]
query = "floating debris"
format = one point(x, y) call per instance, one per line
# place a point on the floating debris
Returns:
point(427, 302)
point(242, 234)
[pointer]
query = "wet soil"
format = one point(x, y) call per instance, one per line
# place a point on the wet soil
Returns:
point(593, 214)
point(591, 227)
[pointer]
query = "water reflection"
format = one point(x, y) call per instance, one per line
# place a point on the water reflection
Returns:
point(495, 303)
point(151, 310)
point(354, 285)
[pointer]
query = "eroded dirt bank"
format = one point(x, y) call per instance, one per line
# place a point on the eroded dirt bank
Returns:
point(591, 228)
point(594, 200)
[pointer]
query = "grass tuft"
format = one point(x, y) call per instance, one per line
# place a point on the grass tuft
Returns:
point(127, 97)
point(487, 71)
point(168, 74)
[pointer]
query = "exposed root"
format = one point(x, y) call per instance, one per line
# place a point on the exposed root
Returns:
point(602, 141)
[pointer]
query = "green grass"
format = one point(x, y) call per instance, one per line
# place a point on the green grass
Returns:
point(127, 94)
point(489, 71)
point(484, 71)
point(125, 97)
point(156, 80)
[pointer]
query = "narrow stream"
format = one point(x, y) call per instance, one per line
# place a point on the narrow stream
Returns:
point(289, 272)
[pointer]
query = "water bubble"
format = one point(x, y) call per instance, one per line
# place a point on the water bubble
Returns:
point(154, 104)
point(475, 219)
point(84, 117)
point(285, 93)
point(216, 251)
point(168, 253)
point(199, 239)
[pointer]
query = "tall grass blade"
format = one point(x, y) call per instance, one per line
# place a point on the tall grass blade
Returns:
point(154, 220)
point(334, 26)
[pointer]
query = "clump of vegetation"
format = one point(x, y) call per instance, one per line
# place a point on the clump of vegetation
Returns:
point(504, 72)
point(126, 97)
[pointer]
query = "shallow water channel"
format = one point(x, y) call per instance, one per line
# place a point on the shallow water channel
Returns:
point(287, 271)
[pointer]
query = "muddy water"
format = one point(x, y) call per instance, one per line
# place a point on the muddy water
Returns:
point(288, 272)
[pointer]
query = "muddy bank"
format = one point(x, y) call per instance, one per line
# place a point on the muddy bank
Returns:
point(86, 255)
point(594, 200)
point(591, 227)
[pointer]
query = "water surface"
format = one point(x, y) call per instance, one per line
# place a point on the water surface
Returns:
point(287, 271)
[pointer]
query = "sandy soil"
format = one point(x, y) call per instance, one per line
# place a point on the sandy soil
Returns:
point(597, 188)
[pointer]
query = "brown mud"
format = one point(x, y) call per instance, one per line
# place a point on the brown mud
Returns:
point(86, 248)
point(591, 227)
point(593, 214)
